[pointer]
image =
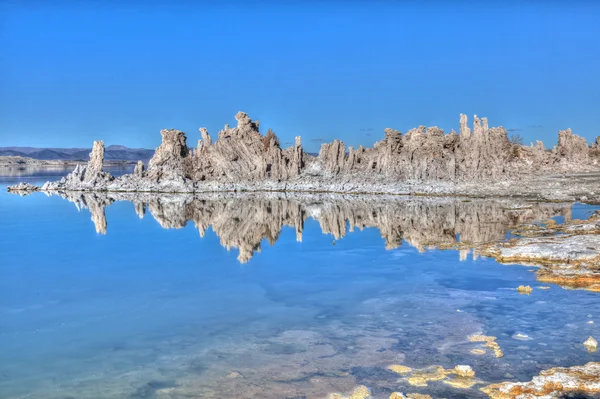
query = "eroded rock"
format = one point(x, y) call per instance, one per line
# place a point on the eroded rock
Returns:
point(23, 188)
point(242, 158)
point(552, 383)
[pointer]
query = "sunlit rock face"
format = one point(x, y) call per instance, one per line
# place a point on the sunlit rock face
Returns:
point(86, 177)
point(242, 153)
point(572, 148)
point(172, 159)
point(241, 158)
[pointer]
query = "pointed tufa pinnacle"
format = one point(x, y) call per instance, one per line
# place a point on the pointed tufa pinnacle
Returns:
point(477, 127)
point(484, 124)
point(94, 165)
point(464, 128)
point(205, 136)
point(139, 170)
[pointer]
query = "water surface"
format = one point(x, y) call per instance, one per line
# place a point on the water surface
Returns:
point(268, 296)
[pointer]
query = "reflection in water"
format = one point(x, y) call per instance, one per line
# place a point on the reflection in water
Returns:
point(143, 313)
point(243, 222)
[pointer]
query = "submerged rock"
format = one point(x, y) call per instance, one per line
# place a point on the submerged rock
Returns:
point(360, 392)
point(489, 342)
point(524, 289)
point(591, 344)
point(397, 368)
point(464, 371)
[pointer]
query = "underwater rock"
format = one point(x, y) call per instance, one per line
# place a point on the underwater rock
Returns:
point(463, 376)
point(524, 289)
point(591, 344)
point(521, 337)
point(420, 378)
point(396, 368)
point(552, 383)
point(360, 392)
point(490, 342)
point(464, 371)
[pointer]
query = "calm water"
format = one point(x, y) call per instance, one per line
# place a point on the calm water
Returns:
point(267, 297)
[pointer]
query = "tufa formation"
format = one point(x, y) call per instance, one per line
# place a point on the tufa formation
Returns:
point(241, 158)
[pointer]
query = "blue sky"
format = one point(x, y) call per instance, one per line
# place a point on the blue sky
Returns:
point(73, 72)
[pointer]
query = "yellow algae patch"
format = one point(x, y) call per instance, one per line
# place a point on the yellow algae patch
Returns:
point(591, 344)
point(478, 351)
point(490, 342)
point(524, 289)
point(461, 382)
point(463, 371)
point(397, 395)
point(481, 338)
point(418, 396)
point(396, 368)
point(420, 378)
point(360, 392)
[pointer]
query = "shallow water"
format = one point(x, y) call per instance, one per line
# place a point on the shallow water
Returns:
point(316, 294)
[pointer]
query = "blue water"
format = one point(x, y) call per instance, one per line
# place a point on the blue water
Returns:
point(144, 311)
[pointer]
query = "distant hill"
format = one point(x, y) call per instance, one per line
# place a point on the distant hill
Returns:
point(112, 152)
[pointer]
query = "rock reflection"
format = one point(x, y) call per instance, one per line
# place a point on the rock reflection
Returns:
point(244, 221)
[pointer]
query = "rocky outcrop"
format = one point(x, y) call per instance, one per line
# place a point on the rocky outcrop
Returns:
point(94, 165)
point(568, 254)
point(243, 154)
point(86, 177)
point(595, 152)
point(242, 158)
point(572, 148)
point(23, 188)
point(172, 160)
point(559, 382)
point(138, 172)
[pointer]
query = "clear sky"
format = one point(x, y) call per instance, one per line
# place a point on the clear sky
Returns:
point(73, 72)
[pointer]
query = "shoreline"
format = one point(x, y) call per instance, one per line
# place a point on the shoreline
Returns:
point(582, 187)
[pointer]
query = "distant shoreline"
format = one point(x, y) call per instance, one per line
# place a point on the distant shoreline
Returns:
point(24, 162)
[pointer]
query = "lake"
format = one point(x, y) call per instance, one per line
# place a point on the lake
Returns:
point(270, 295)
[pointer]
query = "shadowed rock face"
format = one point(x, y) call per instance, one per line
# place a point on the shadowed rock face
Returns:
point(243, 153)
point(243, 158)
point(244, 222)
